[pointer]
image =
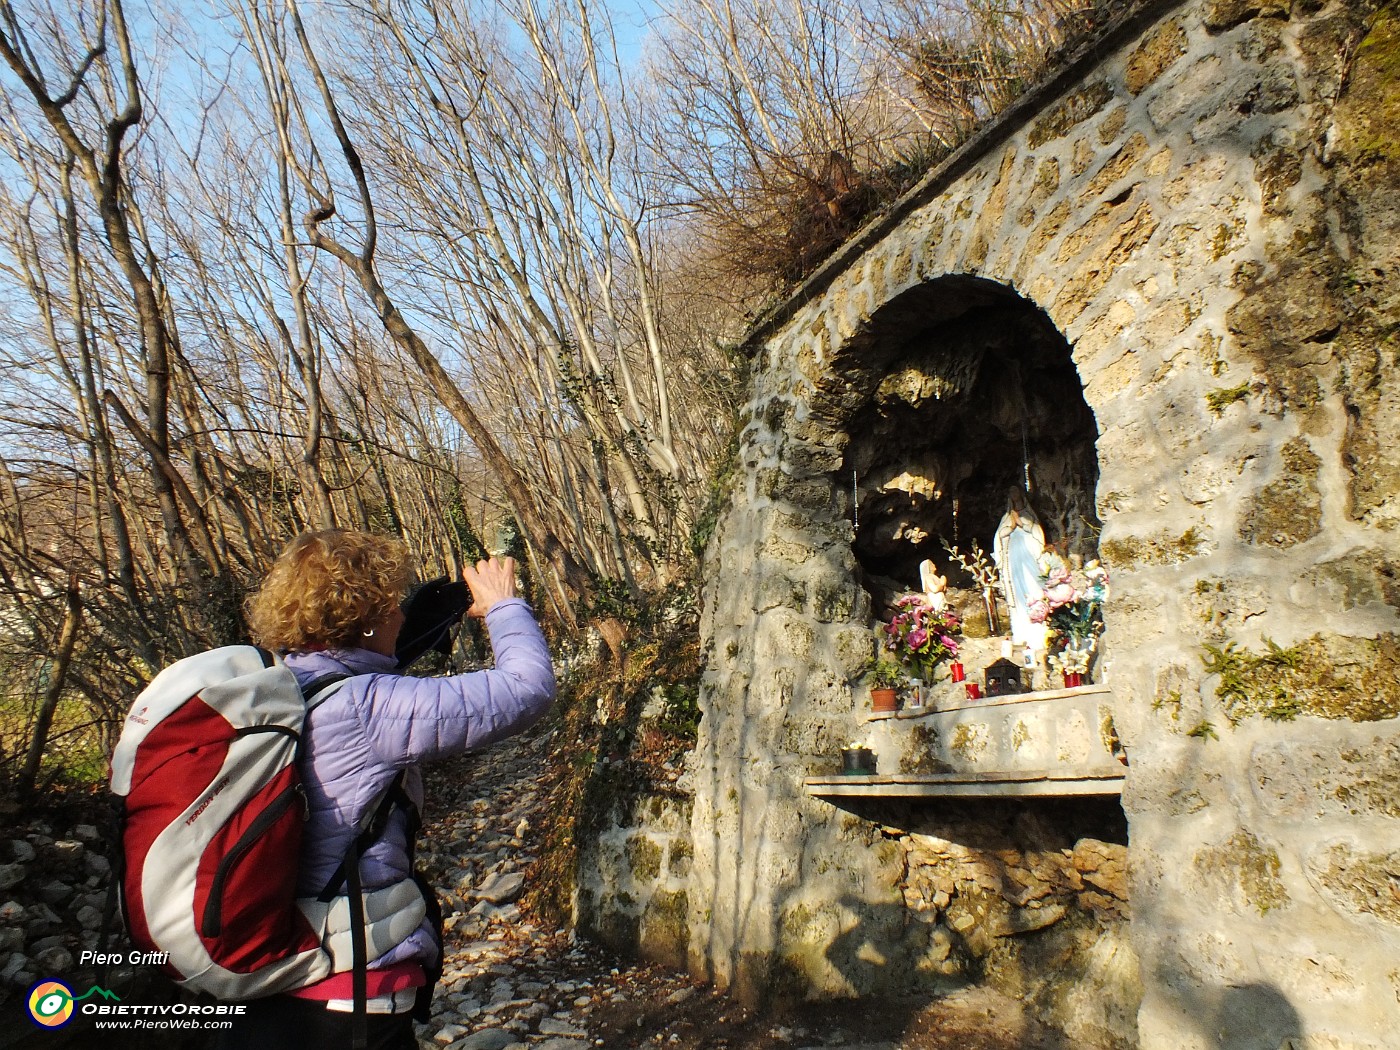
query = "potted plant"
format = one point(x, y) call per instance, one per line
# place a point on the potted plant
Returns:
point(886, 679)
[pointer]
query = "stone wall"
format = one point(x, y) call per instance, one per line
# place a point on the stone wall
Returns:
point(633, 876)
point(1205, 209)
point(997, 898)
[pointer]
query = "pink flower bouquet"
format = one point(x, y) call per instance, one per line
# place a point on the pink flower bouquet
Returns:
point(1073, 609)
point(921, 636)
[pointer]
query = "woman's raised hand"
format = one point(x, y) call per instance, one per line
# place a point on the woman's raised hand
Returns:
point(491, 581)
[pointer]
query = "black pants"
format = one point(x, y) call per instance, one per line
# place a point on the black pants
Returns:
point(282, 1022)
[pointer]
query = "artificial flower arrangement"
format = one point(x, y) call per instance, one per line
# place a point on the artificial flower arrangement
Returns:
point(922, 634)
point(1073, 609)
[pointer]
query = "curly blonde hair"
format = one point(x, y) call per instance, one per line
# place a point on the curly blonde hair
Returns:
point(326, 588)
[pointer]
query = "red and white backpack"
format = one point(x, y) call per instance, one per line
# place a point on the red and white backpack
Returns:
point(211, 833)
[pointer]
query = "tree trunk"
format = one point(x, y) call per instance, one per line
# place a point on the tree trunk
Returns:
point(63, 656)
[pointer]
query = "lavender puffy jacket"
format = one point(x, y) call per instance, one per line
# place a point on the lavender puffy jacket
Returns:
point(380, 722)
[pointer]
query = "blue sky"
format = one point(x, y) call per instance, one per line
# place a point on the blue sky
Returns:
point(630, 24)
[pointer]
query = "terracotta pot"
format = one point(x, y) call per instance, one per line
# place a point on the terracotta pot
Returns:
point(883, 701)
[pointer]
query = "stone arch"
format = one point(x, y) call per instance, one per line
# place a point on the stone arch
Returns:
point(957, 391)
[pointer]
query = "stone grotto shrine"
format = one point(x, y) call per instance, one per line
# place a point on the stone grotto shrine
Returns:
point(1160, 294)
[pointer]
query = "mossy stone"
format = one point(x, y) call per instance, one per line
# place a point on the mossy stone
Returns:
point(1154, 56)
point(665, 931)
point(1360, 882)
point(1369, 112)
point(833, 602)
point(1326, 676)
point(921, 751)
point(809, 494)
point(970, 740)
point(1246, 863)
point(680, 857)
point(1161, 549)
point(643, 858)
point(1221, 15)
point(975, 624)
point(1287, 511)
point(1365, 578)
point(1074, 110)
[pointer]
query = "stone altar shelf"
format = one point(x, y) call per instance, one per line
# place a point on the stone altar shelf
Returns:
point(1038, 784)
point(1051, 743)
point(942, 704)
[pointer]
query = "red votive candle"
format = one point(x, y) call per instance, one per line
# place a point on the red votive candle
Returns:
point(956, 670)
point(974, 691)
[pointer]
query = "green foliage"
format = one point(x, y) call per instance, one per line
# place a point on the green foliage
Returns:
point(1223, 397)
point(609, 755)
point(1204, 730)
point(682, 717)
point(717, 495)
point(886, 674)
point(1171, 703)
point(463, 536)
point(1326, 676)
point(73, 755)
point(1254, 683)
point(612, 598)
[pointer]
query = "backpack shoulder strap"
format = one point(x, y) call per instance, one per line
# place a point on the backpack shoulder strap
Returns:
point(319, 689)
point(348, 876)
point(370, 831)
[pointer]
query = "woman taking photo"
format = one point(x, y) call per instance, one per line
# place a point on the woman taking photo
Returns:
point(331, 606)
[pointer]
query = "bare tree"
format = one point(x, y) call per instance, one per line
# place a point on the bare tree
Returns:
point(783, 123)
point(567, 577)
point(519, 172)
point(97, 157)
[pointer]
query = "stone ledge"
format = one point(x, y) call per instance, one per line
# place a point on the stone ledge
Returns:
point(939, 706)
point(1043, 783)
point(944, 706)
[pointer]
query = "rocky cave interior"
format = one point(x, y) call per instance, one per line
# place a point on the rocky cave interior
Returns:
point(971, 389)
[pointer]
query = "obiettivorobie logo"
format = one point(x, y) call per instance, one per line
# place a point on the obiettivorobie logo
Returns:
point(51, 1002)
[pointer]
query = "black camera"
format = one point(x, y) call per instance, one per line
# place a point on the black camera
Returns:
point(430, 612)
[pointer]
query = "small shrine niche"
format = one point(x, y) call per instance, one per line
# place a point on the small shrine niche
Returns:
point(973, 395)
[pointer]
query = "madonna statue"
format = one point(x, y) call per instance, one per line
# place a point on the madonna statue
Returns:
point(1020, 541)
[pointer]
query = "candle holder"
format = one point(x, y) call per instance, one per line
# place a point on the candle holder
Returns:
point(915, 695)
point(1003, 678)
point(857, 762)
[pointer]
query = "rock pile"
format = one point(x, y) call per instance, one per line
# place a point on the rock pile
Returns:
point(53, 889)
